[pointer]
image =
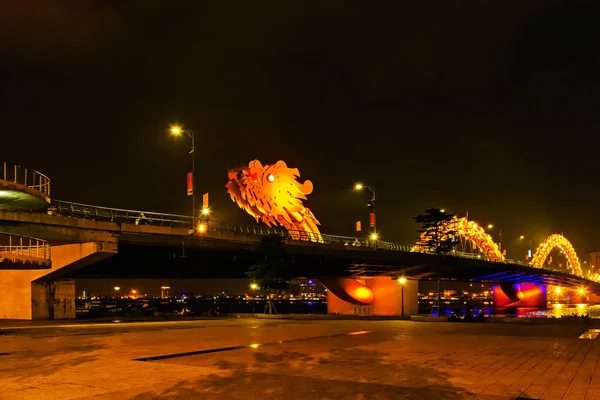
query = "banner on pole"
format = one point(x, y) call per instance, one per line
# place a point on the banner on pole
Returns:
point(358, 226)
point(372, 220)
point(190, 183)
point(205, 201)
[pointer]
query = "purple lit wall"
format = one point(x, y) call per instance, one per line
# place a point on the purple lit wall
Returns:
point(524, 294)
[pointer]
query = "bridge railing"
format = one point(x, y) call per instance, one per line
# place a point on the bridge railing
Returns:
point(11, 246)
point(332, 240)
point(163, 219)
point(87, 211)
point(26, 177)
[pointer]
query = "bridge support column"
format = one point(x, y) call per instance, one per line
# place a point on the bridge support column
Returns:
point(387, 300)
point(46, 294)
point(509, 295)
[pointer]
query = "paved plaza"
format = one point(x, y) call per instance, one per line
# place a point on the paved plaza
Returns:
point(287, 359)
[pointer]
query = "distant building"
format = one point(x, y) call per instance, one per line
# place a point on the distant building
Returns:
point(308, 289)
point(592, 261)
point(165, 292)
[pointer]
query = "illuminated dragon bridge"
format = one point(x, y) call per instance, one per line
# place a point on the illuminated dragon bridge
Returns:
point(558, 241)
point(476, 235)
point(273, 195)
point(471, 232)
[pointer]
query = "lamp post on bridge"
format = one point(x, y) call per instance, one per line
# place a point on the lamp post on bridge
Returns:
point(372, 214)
point(177, 131)
point(528, 255)
point(491, 226)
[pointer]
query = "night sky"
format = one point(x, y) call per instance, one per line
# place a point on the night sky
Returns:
point(481, 106)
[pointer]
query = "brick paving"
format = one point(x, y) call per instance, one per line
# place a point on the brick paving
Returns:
point(301, 360)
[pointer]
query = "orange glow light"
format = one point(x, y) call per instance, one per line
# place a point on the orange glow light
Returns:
point(363, 294)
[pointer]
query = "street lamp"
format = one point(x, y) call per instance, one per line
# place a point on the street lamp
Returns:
point(177, 131)
point(253, 286)
point(491, 226)
point(402, 281)
point(371, 204)
point(529, 254)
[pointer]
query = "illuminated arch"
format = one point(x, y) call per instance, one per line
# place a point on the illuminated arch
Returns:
point(552, 241)
point(473, 233)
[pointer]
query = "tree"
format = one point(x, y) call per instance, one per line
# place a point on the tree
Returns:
point(271, 272)
point(437, 235)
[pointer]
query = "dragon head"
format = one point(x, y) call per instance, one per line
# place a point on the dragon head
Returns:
point(270, 193)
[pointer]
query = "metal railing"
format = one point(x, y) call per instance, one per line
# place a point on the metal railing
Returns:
point(19, 246)
point(98, 213)
point(26, 177)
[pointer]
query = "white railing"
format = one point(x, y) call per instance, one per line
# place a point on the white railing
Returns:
point(20, 246)
point(26, 177)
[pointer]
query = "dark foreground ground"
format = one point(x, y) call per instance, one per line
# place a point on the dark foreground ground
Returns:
point(286, 359)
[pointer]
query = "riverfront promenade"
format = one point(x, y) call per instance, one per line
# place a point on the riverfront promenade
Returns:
point(287, 359)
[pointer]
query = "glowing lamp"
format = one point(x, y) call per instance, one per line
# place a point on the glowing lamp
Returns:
point(402, 280)
point(201, 228)
point(358, 186)
point(175, 130)
point(374, 236)
point(205, 211)
point(253, 286)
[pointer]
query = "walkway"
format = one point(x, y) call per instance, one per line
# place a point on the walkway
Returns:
point(259, 359)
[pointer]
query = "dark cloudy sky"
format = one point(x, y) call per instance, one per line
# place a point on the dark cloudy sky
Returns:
point(485, 106)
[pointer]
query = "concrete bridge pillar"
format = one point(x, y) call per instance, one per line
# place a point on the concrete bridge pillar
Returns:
point(513, 295)
point(387, 299)
point(46, 294)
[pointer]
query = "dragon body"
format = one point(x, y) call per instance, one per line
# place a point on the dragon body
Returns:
point(272, 194)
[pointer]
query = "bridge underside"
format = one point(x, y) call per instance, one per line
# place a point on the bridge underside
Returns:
point(14, 196)
point(138, 257)
point(475, 271)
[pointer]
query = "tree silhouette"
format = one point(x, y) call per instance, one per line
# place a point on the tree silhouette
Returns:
point(437, 237)
point(272, 272)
